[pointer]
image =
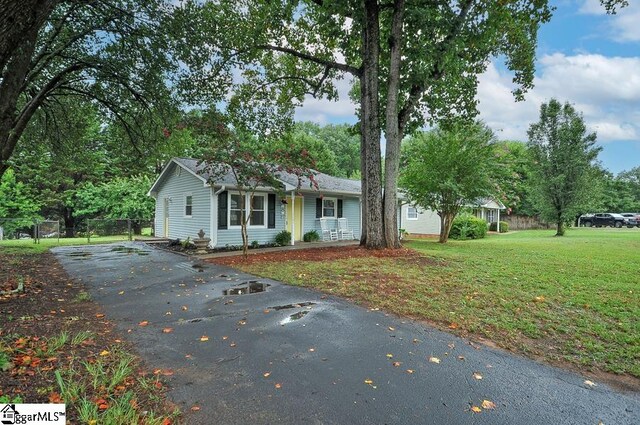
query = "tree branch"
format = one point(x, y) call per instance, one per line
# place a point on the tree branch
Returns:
point(328, 63)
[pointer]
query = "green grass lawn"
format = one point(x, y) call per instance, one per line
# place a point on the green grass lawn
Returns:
point(573, 299)
point(26, 246)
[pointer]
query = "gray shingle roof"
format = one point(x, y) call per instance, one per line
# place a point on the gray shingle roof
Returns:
point(326, 183)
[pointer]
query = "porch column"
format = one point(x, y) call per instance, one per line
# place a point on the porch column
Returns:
point(498, 224)
point(293, 217)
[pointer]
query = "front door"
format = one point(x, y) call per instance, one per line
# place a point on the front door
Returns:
point(294, 217)
point(166, 218)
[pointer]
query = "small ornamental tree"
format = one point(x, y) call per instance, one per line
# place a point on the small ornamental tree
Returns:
point(251, 161)
point(447, 168)
point(563, 169)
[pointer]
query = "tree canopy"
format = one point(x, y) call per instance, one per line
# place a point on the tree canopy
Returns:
point(563, 169)
point(448, 168)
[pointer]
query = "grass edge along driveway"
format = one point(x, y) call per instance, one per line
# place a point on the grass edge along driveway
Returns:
point(572, 300)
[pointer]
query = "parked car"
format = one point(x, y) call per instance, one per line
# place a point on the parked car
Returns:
point(604, 220)
point(634, 218)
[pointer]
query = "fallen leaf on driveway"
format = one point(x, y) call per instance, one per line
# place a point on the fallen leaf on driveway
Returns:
point(409, 371)
point(389, 356)
point(278, 386)
point(266, 374)
point(195, 408)
point(487, 404)
point(590, 383)
point(204, 338)
point(143, 323)
point(167, 330)
point(477, 376)
point(224, 337)
point(121, 293)
point(368, 381)
point(184, 308)
point(391, 329)
point(396, 364)
point(434, 360)
point(311, 350)
point(476, 409)
point(99, 315)
point(233, 344)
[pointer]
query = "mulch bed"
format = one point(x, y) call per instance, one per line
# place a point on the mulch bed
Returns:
point(321, 254)
point(52, 303)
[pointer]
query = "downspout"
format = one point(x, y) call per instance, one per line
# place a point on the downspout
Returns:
point(293, 215)
point(214, 215)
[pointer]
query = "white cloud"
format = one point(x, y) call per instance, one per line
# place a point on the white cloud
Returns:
point(605, 89)
point(623, 26)
point(324, 111)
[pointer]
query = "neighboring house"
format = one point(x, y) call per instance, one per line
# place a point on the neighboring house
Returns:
point(186, 202)
point(417, 221)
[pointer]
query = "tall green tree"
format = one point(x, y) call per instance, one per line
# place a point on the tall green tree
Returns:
point(448, 168)
point(563, 170)
point(110, 51)
point(412, 61)
point(512, 177)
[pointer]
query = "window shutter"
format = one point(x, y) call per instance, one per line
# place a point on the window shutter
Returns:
point(339, 208)
point(271, 211)
point(222, 210)
point(318, 207)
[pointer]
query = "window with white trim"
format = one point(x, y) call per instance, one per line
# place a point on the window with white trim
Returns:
point(188, 205)
point(491, 215)
point(329, 207)
point(258, 204)
point(412, 213)
point(258, 210)
point(235, 213)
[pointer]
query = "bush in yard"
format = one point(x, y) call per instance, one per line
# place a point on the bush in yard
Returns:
point(468, 226)
point(504, 227)
point(283, 238)
point(311, 236)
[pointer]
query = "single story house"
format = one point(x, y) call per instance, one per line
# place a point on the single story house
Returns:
point(186, 201)
point(417, 221)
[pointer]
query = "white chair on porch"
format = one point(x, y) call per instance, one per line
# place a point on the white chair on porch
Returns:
point(328, 234)
point(344, 232)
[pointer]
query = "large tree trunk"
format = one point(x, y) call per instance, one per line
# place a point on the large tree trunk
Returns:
point(69, 222)
point(392, 133)
point(370, 127)
point(446, 221)
point(560, 228)
point(10, 89)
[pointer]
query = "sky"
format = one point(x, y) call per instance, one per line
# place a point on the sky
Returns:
point(584, 56)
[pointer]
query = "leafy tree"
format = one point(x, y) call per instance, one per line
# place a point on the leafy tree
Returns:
point(339, 140)
point(512, 177)
point(249, 160)
point(16, 205)
point(618, 193)
point(111, 52)
point(411, 62)
point(631, 179)
point(119, 198)
point(563, 169)
point(447, 168)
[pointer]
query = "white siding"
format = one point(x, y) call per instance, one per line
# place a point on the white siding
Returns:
point(428, 222)
point(175, 187)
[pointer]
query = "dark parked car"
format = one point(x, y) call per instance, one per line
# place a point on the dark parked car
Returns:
point(604, 220)
point(634, 218)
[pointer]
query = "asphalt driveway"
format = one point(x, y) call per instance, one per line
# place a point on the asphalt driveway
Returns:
point(291, 355)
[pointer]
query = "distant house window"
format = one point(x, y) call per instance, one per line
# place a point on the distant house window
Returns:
point(491, 216)
point(188, 206)
point(235, 214)
point(258, 207)
point(412, 213)
point(329, 207)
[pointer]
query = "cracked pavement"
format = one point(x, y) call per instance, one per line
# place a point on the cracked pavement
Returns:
point(318, 351)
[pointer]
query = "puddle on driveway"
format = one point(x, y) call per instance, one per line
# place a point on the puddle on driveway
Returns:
point(129, 250)
point(288, 306)
point(80, 255)
point(297, 316)
point(251, 287)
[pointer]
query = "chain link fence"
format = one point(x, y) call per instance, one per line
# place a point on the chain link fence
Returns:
point(93, 230)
